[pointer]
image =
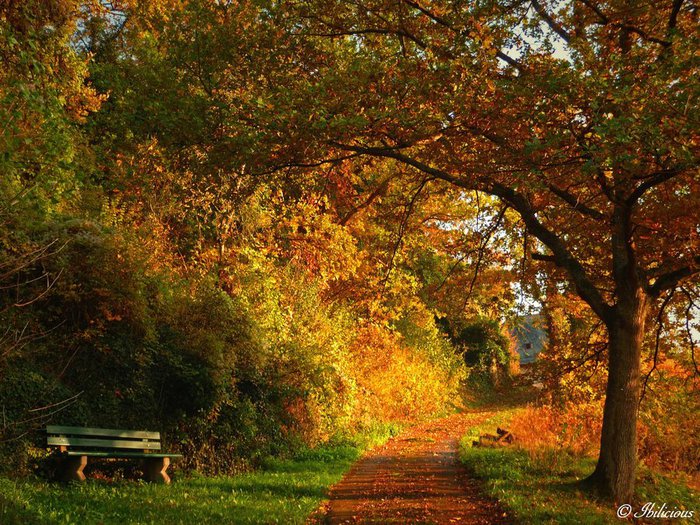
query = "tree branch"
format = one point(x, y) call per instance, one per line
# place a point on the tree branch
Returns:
point(482, 249)
point(654, 180)
point(542, 257)
point(604, 20)
point(563, 258)
point(593, 7)
point(575, 202)
point(689, 329)
point(673, 19)
point(408, 210)
point(443, 22)
point(378, 190)
point(553, 24)
point(673, 278)
point(401, 33)
point(659, 329)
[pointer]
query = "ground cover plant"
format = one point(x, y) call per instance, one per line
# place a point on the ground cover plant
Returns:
point(281, 491)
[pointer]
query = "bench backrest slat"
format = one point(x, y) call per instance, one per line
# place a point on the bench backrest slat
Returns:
point(101, 443)
point(105, 432)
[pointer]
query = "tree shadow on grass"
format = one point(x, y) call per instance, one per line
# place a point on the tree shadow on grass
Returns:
point(281, 497)
point(13, 513)
point(514, 393)
point(259, 488)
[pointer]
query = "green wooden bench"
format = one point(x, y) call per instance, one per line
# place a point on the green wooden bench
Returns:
point(77, 444)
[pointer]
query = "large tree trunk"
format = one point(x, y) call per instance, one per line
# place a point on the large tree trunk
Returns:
point(615, 472)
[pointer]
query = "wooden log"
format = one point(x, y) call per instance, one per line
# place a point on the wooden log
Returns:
point(502, 438)
point(487, 440)
point(506, 438)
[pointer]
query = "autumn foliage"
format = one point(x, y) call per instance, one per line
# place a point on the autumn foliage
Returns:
point(242, 317)
point(566, 417)
point(259, 224)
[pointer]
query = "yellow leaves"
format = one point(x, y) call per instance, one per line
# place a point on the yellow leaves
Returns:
point(396, 382)
point(311, 239)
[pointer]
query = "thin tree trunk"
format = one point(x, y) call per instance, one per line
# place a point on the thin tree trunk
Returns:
point(614, 475)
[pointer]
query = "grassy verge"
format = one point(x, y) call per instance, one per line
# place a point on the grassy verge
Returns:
point(283, 491)
point(542, 489)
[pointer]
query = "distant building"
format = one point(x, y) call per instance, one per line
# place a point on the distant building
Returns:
point(530, 338)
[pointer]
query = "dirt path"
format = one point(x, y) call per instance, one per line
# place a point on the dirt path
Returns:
point(415, 478)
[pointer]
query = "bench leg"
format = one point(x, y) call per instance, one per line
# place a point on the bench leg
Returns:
point(155, 470)
point(73, 468)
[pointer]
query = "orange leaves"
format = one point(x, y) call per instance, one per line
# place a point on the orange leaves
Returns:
point(574, 428)
point(669, 409)
point(309, 237)
point(396, 382)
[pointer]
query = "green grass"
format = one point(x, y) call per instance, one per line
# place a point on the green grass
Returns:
point(281, 491)
point(532, 492)
point(480, 395)
point(284, 491)
point(543, 490)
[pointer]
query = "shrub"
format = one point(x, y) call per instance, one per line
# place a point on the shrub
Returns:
point(667, 437)
point(487, 349)
point(574, 429)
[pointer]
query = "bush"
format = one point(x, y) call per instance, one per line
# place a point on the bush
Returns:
point(231, 367)
point(487, 349)
point(667, 438)
point(574, 429)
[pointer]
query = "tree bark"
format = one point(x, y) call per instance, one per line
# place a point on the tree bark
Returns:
point(614, 475)
point(615, 471)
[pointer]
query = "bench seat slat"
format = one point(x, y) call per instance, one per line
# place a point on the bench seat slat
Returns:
point(106, 432)
point(100, 454)
point(101, 443)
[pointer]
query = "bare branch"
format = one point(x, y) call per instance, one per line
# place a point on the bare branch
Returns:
point(659, 329)
point(408, 210)
point(61, 406)
point(30, 258)
point(378, 190)
point(575, 202)
point(42, 294)
point(652, 181)
point(689, 330)
point(481, 250)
